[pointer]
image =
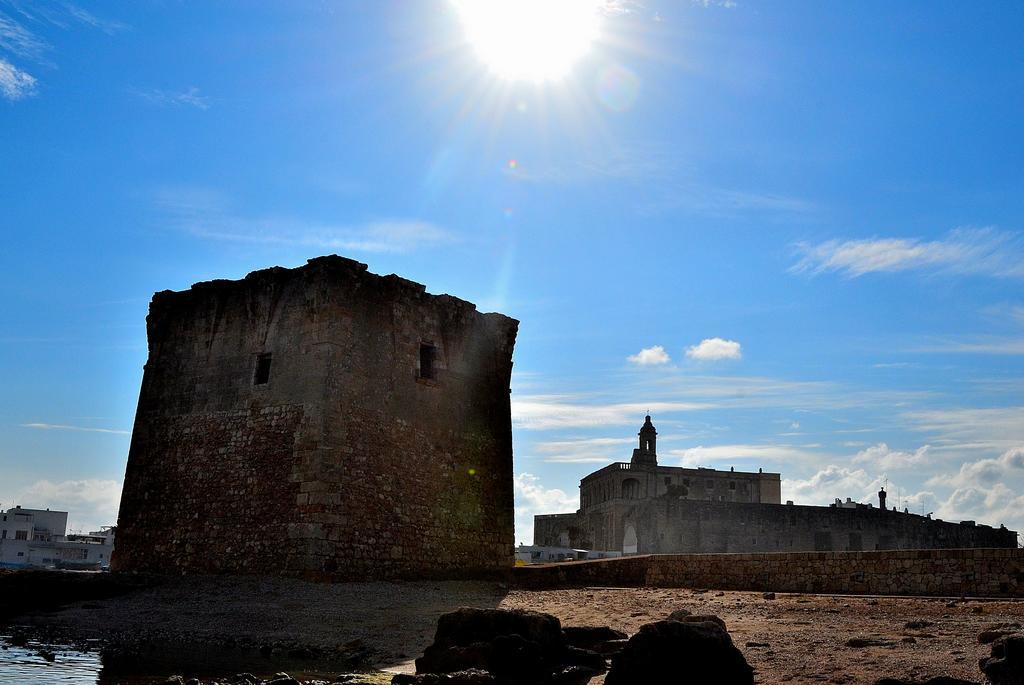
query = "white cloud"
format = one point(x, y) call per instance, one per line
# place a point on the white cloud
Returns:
point(532, 498)
point(967, 251)
point(714, 349)
point(189, 97)
point(206, 214)
point(830, 483)
point(649, 356)
point(90, 503)
point(84, 429)
point(15, 84)
point(882, 457)
point(985, 472)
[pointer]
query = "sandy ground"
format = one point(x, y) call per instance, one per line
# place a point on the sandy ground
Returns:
point(801, 638)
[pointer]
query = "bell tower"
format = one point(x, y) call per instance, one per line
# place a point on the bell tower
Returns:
point(645, 454)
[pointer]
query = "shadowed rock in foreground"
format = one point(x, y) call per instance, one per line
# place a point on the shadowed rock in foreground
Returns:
point(674, 651)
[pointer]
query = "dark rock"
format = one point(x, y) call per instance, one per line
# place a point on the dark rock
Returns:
point(192, 681)
point(941, 680)
point(916, 625)
point(986, 637)
point(282, 679)
point(610, 646)
point(769, 595)
point(465, 626)
point(171, 680)
point(910, 640)
point(47, 655)
point(705, 618)
point(678, 615)
point(467, 677)
point(860, 642)
point(668, 651)
point(244, 679)
point(574, 656)
point(575, 675)
point(1005, 665)
point(586, 637)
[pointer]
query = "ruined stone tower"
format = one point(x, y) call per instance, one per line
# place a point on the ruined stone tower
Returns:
point(321, 421)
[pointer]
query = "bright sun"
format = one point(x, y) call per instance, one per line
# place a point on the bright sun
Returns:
point(530, 40)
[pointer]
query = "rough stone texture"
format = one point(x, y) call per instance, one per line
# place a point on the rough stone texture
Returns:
point(954, 572)
point(674, 652)
point(1006, 665)
point(517, 647)
point(350, 462)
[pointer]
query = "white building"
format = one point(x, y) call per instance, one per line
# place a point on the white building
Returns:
point(37, 538)
point(540, 554)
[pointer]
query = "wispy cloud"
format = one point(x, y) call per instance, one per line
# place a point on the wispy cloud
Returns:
point(649, 356)
point(584, 450)
point(980, 251)
point(84, 429)
point(108, 26)
point(665, 179)
point(977, 345)
point(207, 215)
point(15, 84)
point(20, 42)
point(714, 349)
point(187, 98)
point(542, 412)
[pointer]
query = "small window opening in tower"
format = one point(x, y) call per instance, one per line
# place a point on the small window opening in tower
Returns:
point(262, 376)
point(428, 353)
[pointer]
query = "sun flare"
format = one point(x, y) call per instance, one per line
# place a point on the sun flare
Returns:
point(530, 40)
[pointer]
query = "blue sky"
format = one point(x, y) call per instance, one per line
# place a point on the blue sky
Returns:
point(810, 216)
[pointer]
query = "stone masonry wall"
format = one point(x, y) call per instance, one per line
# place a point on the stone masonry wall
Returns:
point(961, 572)
point(673, 525)
point(350, 461)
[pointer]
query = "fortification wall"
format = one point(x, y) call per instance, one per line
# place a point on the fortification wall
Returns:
point(349, 460)
point(961, 572)
point(671, 525)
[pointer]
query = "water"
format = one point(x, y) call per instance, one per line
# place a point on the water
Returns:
point(74, 666)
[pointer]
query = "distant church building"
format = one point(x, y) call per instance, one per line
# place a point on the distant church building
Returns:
point(639, 507)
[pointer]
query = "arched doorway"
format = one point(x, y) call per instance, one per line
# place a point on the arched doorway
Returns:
point(629, 542)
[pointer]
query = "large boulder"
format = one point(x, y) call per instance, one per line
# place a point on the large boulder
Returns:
point(515, 647)
point(678, 652)
point(1005, 666)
